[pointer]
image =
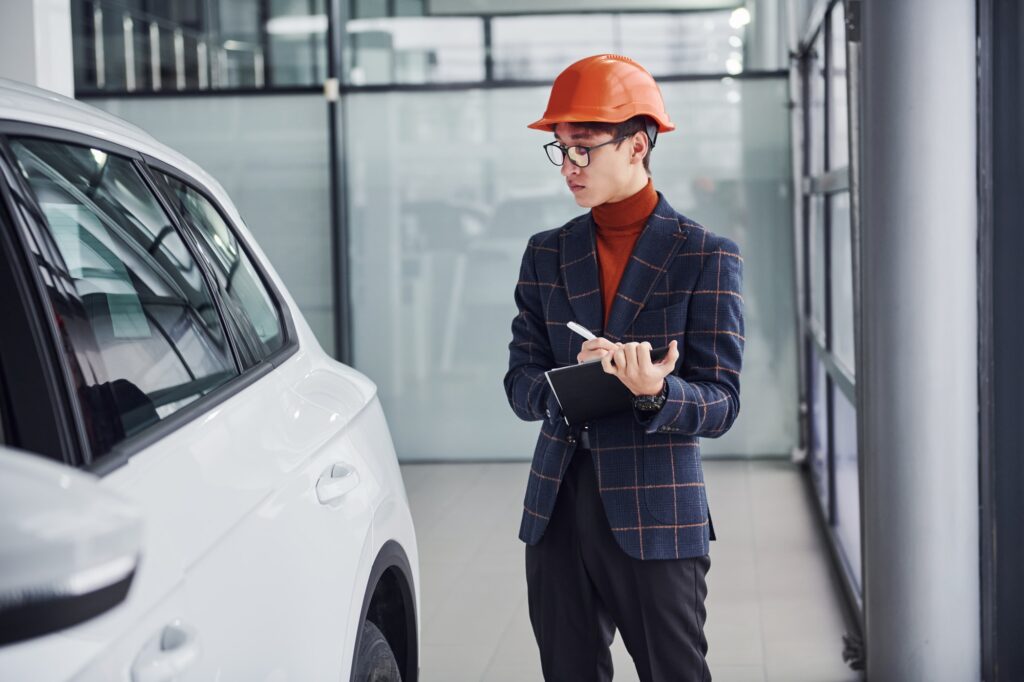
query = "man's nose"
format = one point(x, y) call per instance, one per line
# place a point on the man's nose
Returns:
point(569, 168)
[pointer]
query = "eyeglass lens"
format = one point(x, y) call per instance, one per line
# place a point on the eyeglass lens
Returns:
point(578, 155)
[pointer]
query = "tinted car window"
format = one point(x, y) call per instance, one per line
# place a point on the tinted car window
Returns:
point(139, 327)
point(248, 303)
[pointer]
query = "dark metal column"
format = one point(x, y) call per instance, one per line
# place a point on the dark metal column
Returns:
point(337, 17)
point(1001, 241)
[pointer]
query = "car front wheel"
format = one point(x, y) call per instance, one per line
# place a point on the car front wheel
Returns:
point(375, 662)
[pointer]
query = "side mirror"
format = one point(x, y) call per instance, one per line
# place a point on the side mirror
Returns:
point(68, 547)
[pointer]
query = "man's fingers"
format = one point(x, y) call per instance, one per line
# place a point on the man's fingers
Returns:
point(619, 357)
point(598, 344)
point(672, 355)
point(606, 363)
point(643, 355)
point(632, 363)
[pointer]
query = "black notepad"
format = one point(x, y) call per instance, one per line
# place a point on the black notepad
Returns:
point(585, 391)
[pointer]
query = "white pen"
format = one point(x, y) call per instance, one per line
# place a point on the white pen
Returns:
point(581, 330)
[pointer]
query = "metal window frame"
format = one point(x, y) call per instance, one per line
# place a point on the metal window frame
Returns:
point(826, 184)
point(52, 427)
point(289, 336)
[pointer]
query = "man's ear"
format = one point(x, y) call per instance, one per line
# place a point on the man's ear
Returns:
point(640, 144)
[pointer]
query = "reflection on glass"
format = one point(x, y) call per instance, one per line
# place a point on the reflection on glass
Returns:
point(816, 106)
point(838, 144)
point(142, 335)
point(847, 506)
point(414, 50)
point(132, 46)
point(248, 304)
point(369, 9)
point(296, 36)
point(539, 47)
point(818, 265)
point(819, 455)
point(842, 332)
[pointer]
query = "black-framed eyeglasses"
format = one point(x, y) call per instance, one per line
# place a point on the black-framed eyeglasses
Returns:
point(578, 154)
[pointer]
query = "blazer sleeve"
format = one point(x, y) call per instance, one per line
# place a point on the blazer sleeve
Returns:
point(529, 353)
point(704, 392)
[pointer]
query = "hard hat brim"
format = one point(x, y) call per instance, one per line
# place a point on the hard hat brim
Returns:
point(548, 124)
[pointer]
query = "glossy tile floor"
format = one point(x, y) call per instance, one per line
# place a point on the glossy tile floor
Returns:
point(774, 611)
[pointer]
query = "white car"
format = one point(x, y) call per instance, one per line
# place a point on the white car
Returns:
point(209, 496)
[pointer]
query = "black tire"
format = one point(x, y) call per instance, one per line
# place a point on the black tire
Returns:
point(375, 662)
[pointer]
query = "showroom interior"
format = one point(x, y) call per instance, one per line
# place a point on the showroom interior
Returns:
point(861, 154)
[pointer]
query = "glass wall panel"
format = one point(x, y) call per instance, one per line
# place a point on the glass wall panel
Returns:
point(818, 400)
point(414, 50)
point(839, 140)
point(847, 521)
point(141, 46)
point(409, 8)
point(440, 213)
point(369, 9)
point(297, 40)
point(828, 272)
point(817, 264)
point(699, 42)
point(538, 47)
point(842, 279)
point(816, 105)
point(277, 175)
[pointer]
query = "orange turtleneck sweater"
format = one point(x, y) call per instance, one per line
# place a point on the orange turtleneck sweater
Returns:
point(619, 225)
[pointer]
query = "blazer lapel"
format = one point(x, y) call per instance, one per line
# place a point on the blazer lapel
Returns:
point(579, 272)
point(654, 250)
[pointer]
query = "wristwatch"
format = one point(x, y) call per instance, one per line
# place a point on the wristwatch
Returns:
point(651, 403)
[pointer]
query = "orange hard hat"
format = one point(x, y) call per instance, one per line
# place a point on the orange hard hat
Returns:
point(606, 88)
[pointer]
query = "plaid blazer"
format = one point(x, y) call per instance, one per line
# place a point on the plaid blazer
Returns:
point(682, 282)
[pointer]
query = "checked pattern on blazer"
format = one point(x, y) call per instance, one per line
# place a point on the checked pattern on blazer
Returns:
point(682, 282)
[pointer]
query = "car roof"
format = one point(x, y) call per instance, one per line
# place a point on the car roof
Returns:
point(29, 104)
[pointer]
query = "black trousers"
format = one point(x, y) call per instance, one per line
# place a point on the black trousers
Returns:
point(581, 586)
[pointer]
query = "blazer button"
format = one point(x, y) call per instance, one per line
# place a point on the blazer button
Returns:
point(572, 440)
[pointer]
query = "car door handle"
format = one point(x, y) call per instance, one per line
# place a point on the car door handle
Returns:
point(335, 482)
point(168, 654)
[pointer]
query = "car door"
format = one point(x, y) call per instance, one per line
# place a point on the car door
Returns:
point(137, 350)
point(256, 502)
point(278, 596)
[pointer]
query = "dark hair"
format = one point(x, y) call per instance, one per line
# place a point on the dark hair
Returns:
point(632, 126)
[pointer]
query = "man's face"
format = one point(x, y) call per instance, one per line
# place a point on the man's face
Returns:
point(609, 175)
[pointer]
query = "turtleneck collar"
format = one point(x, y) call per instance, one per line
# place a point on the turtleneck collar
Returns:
point(627, 213)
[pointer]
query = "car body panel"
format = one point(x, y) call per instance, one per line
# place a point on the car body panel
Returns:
point(236, 543)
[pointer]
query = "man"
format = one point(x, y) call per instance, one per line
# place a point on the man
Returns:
point(616, 517)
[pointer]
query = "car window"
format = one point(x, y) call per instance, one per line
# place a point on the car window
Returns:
point(139, 326)
point(248, 304)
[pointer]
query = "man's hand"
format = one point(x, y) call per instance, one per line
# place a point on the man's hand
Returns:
point(594, 349)
point(631, 363)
